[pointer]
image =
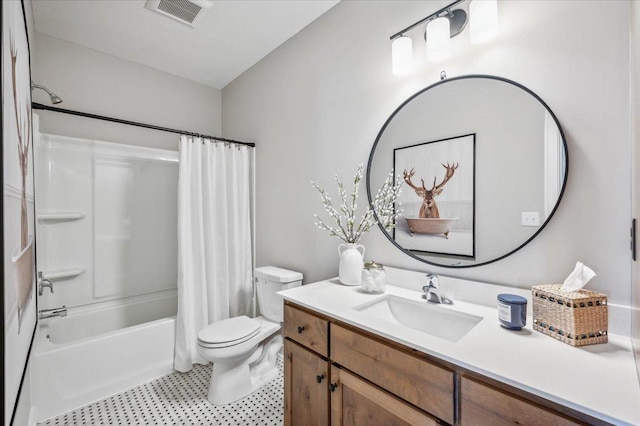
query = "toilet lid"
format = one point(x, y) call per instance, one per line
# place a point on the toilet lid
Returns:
point(228, 344)
point(229, 331)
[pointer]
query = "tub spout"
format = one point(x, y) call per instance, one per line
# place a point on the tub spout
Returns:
point(55, 312)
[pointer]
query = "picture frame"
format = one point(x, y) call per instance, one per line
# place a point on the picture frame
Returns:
point(437, 204)
point(18, 212)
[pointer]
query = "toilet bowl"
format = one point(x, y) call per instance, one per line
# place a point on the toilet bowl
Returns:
point(243, 364)
point(244, 350)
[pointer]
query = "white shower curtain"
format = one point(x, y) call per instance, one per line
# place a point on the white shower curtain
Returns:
point(214, 240)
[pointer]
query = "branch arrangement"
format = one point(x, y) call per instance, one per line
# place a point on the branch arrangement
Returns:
point(345, 219)
point(23, 127)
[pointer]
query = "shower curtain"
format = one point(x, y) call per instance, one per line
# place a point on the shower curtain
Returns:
point(214, 240)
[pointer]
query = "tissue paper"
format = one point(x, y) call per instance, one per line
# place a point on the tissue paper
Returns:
point(577, 279)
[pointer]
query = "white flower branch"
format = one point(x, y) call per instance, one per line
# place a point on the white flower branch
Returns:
point(345, 225)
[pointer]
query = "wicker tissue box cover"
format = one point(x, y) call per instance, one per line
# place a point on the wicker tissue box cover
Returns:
point(577, 318)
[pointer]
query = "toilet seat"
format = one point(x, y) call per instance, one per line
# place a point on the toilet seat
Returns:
point(228, 332)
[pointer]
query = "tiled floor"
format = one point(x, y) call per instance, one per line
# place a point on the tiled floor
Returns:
point(180, 399)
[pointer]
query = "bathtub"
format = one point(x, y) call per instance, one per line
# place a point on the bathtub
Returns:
point(431, 225)
point(100, 350)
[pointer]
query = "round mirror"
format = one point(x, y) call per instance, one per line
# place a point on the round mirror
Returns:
point(485, 163)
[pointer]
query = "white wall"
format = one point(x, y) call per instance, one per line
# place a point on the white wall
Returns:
point(315, 105)
point(97, 83)
point(635, 177)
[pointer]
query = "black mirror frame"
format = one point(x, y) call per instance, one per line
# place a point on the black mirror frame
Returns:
point(448, 80)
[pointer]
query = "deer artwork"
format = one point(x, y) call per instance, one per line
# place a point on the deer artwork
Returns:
point(429, 209)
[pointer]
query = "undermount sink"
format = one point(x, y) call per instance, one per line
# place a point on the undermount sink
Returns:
point(430, 318)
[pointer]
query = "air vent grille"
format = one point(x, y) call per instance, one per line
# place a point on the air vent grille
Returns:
point(180, 9)
point(184, 11)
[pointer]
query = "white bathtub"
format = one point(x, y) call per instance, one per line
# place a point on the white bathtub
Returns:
point(98, 351)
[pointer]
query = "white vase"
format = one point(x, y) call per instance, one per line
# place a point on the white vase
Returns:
point(351, 261)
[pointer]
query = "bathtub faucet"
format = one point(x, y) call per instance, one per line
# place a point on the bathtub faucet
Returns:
point(55, 312)
point(42, 283)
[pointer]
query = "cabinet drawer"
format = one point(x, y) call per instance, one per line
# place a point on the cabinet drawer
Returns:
point(306, 329)
point(417, 381)
point(484, 405)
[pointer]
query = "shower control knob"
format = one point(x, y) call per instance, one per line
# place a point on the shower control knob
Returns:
point(300, 330)
point(319, 378)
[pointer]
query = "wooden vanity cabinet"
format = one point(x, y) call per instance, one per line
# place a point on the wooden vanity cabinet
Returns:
point(338, 374)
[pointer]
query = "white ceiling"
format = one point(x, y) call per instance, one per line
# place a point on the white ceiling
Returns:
point(229, 37)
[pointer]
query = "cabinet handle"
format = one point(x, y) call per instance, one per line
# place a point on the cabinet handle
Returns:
point(319, 378)
point(333, 386)
point(300, 330)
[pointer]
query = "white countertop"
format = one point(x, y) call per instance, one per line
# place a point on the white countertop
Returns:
point(599, 380)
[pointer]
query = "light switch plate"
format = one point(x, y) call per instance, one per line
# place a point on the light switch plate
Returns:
point(530, 219)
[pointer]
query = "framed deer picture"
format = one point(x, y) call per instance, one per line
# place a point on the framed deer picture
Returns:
point(438, 201)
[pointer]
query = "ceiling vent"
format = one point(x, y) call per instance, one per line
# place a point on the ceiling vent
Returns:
point(185, 11)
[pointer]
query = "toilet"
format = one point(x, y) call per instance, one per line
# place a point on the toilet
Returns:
point(244, 350)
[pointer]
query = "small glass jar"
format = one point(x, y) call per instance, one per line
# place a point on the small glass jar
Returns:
point(373, 278)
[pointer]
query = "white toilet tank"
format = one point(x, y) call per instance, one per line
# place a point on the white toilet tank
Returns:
point(269, 281)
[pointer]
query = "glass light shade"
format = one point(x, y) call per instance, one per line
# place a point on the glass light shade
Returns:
point(401, 56)
point(483, 16)
point(438, 39)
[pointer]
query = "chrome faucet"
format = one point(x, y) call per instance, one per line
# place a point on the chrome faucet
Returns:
point(432, 289)
point(42, 283)
point(55, 312)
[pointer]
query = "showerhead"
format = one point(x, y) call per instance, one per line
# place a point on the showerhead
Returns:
point(55, 99)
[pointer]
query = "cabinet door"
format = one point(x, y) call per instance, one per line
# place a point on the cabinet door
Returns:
point(306, 392)
point(355, 402)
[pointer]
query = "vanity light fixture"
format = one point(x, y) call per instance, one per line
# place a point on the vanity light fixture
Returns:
point(438, 39)
point(402, 55)
point(484, 20)
point(441, 26)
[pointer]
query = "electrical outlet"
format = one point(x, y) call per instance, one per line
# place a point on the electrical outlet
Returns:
point(530, 219)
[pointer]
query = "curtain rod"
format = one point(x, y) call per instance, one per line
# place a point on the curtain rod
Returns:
point(39, 106)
